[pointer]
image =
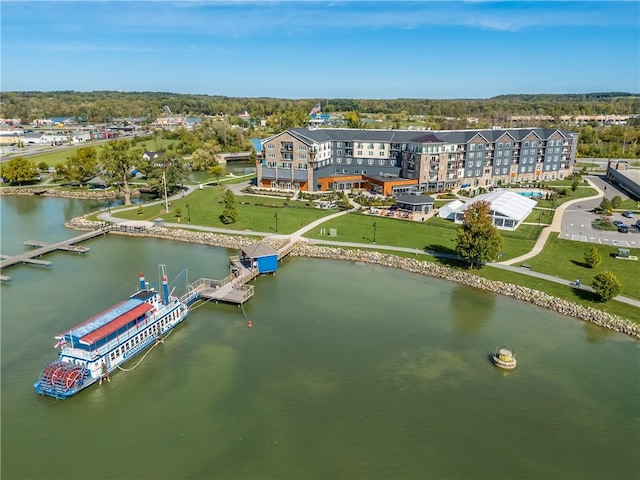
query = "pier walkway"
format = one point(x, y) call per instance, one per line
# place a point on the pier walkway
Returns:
point(231, 289)
point(42, 248)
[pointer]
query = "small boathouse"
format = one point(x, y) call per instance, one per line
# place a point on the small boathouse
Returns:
point(260, 256)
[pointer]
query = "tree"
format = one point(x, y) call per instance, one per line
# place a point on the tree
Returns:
point(575, 184)
point(616, 201)
point(593, 258)
point(119, 158)
point(19, 170)
point(606, 285)
point(477, 239)
point(217, 171)
point(605, 206)
point(229, 212)
point(82, 165)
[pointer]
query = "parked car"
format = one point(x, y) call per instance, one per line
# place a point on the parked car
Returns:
point(623, 229)
point(628, 214)
point(617, 223)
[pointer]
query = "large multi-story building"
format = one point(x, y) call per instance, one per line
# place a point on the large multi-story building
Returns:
point(396, 161)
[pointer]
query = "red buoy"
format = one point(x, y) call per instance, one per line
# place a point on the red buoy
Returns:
point(249, 324)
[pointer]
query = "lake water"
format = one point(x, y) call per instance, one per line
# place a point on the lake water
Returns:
point(350, 371)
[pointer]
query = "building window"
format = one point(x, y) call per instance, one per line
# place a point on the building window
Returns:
point(338, 159)
point(381, 162)
point(472, 155)
point(359, 152)
point(359, 161)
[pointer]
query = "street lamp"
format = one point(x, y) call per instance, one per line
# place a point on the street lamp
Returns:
point(275, 215)
point(374, 232)
point(188, 214)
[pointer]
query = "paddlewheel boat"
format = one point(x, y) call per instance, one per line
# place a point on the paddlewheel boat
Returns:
point(505, 357)
point(92, 349)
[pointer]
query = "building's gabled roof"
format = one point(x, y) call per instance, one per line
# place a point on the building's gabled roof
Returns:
point(413, 199)
point(258, 250)
point(96, 181)
point(319, 135)
point(505, 203)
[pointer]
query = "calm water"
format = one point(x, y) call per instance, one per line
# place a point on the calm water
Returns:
point(350, 372)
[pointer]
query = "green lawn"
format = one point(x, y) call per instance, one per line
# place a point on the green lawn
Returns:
point(435, 234)
point(565, 258)
point(254, 213)
point(580, 192)
point(55, 157)
point(543, 217)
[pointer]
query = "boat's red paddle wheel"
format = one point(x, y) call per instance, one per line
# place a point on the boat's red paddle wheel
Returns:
point(61, 379)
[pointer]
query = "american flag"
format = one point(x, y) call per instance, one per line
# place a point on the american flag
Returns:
point(315, 109)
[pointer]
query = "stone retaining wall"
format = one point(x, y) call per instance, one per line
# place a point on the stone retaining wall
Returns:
point(302, 249)
point(54, 192)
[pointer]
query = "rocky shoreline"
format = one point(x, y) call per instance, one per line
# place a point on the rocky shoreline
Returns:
point(302, 249)
point(45, 191)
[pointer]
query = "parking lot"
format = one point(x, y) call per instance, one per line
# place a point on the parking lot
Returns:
point(577, 219)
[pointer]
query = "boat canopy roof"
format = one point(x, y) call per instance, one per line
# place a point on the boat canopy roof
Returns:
point(109, 321)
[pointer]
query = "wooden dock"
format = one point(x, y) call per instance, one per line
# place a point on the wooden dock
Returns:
point(42, 248)
point(231, 289)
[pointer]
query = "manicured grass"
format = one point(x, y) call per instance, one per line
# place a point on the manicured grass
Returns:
point(56, 157)
point(435, 234)
point(254, 213)
point(580, 192)
point(629, 204)
point(544, 217)
point(565, 258)
point(358, 228)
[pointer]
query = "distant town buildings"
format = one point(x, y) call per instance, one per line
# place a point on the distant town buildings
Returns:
point(393, 162)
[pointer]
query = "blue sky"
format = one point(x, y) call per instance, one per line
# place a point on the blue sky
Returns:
point(313, 49)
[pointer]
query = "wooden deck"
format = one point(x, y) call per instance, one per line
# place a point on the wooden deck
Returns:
point(231, 289)
point(42, 248)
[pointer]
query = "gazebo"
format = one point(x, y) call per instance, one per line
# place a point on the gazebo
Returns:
point(415, 203)
point(97, 182)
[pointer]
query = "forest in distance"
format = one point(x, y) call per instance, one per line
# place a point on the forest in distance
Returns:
point(595, 139)
point(97, 106)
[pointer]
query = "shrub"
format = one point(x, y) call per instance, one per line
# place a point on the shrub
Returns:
point(606, 285)
point(593, 258)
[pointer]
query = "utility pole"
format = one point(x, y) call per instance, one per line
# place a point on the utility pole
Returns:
point(166, 200)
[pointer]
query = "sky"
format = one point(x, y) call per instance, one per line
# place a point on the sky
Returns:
point(309, 49)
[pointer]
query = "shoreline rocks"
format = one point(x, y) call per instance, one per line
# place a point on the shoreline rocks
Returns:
point(302, 249)
point(45, 191)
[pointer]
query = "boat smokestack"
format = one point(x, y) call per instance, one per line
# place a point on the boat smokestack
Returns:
point(165, 289)
point(142, 286)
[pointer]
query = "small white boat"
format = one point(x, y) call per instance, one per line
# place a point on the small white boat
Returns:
point(505, 357)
